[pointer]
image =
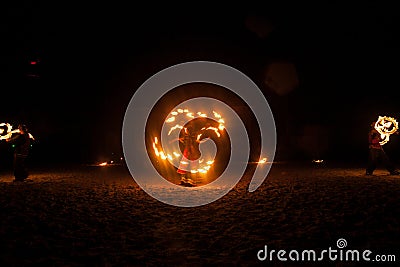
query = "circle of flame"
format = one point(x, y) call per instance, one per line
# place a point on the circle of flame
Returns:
point(146, 97)
point(204, 164)
point(386, 126)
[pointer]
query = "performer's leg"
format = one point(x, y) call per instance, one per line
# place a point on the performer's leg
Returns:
point(371, 164)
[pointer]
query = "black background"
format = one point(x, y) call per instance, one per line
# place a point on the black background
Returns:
point(91, 57)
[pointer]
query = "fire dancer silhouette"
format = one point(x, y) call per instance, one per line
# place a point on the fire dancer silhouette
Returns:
point(376, 153)
point(22, 144)
point(191, 154)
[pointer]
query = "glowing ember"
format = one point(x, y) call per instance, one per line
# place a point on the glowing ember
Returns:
point(386, 126)
point(203, 165)
point(264, 160)
point(318, 160)
point(103, 164)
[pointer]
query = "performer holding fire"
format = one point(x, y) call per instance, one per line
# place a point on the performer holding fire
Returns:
point(190, 164)
point(22, 142)
point(378, 136)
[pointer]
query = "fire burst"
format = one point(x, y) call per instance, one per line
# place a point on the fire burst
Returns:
point(204, 165)
point(386, 126)
point(8, 132)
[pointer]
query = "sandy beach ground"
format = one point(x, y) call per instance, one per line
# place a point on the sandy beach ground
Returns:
point(98, 216)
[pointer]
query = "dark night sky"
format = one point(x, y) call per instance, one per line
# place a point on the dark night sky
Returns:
point(92, 57)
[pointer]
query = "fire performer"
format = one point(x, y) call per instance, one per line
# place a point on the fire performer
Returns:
point(377, 154)
point(190, 156)
point(22, 144)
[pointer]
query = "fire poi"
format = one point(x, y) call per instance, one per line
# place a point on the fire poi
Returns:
point(6, 131)
point(386, 126)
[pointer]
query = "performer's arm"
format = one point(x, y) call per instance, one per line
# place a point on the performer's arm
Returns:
point(13, 139)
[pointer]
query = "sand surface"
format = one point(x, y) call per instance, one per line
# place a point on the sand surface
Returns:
point(98, 216)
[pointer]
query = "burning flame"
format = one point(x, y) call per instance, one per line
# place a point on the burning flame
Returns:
point(386, 126)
